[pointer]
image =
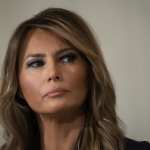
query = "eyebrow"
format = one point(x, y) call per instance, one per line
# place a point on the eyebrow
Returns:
point(43, 55)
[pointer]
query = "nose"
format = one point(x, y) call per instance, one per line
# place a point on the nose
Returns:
point(54, 72)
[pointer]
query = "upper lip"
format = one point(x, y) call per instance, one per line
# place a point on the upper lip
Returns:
point(55, 90)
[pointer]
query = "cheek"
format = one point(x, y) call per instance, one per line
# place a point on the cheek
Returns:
point(30, 87)
point(78, 76)
point(77, 81)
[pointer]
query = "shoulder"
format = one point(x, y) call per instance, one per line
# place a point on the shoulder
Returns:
point(136, 145)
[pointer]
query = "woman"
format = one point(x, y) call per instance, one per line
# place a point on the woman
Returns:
point(56, 90)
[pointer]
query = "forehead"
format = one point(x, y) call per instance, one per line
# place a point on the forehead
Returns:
point(40, 40)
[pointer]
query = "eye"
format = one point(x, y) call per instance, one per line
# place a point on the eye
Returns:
point(35, 63)
point(69, 57)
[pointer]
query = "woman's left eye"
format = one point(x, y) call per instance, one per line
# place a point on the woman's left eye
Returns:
point(68, 58)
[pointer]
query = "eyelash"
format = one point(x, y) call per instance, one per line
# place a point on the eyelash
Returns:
point(35, 63)
point(71, 57)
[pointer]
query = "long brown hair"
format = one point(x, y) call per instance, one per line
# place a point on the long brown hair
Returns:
point(102, 129)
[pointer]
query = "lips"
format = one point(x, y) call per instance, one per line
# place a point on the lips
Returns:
point(56, 92)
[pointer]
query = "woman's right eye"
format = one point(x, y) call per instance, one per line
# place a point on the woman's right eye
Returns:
point(35, 64)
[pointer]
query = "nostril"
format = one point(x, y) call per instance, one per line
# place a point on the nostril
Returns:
point(55, 78)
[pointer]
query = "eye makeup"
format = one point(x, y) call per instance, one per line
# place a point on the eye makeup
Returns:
point(64, 56)
point(35, 63)
point(68, 56)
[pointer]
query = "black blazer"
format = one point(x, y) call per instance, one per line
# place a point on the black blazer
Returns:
point(136, 145)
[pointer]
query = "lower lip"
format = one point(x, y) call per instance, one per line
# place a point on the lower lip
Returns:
point(56, 94)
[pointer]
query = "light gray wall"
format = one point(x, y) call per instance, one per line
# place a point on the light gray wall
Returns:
point(123, 29)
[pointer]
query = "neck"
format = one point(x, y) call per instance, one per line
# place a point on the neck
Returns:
point(58, 133)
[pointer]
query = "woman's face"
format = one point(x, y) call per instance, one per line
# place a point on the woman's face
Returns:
point(53, 75)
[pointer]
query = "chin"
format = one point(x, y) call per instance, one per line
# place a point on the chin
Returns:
point(58, 110)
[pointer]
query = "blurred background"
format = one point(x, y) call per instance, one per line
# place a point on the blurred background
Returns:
point(122, 28)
